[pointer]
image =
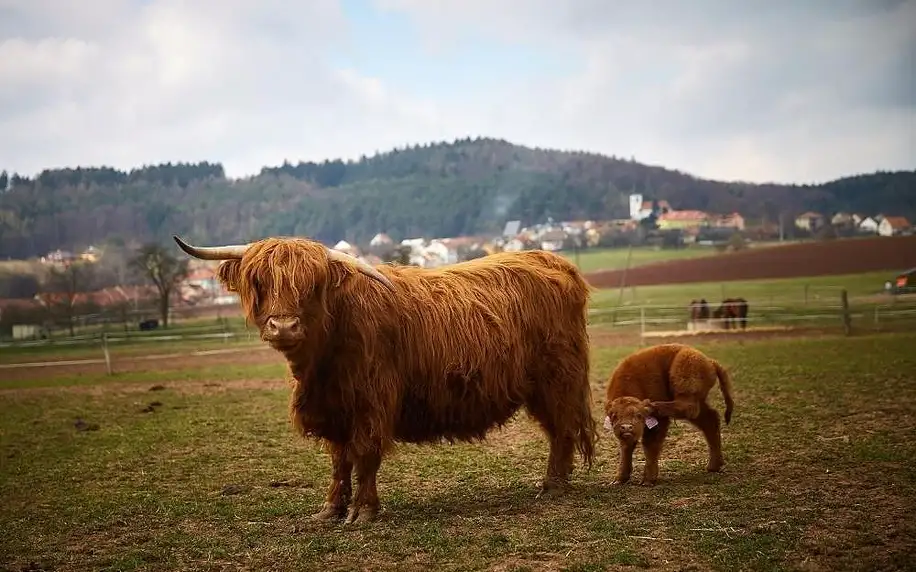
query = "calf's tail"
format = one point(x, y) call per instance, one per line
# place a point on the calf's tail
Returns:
point(725, 385)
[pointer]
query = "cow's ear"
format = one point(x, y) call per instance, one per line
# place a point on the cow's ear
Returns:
point(229, 273)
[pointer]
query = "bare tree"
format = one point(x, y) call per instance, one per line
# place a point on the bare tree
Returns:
point(61, 290)
point(164, 270)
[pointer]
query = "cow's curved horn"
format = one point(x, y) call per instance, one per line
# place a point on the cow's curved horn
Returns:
point(230, 252)
point(366, 269)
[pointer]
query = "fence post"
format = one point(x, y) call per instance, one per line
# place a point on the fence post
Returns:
point(105, 351)
point(642, 324)
point(847, 319)
point(877, 325)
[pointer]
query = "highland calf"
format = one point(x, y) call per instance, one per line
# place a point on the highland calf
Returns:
point(654, 385)
point(406, 354)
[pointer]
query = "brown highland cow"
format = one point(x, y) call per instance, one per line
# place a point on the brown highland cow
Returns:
point(654, 385)
point(405, 354)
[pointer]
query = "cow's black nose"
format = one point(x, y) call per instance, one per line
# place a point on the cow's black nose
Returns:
point(283, 326)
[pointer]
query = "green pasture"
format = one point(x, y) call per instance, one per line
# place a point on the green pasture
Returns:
point(205, 473)
point(784, 301)
point(795, 302)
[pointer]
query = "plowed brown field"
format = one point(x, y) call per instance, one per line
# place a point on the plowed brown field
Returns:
point(849, 256)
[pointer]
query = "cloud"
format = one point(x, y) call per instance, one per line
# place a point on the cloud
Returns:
point(721, 89)
point(752, 90)
point(246, 83)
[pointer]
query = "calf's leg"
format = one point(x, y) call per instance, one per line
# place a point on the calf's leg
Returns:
point(625, 463)
point(708, 422)
point(652, 441)
point(679, 408)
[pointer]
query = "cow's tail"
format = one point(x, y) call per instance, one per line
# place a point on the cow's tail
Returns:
point(588, 433)
point(725, 385)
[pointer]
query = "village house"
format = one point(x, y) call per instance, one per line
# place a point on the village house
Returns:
point(810, 221)
point(893, 226)
point(869, 225)
point(381, 239)
point(514, 245)
point(845, 220)
point(552, 240)
point(733, 220)
point(645, 209)
point(58, 257)
point(344, 246)
point(91, 254)
point(682, 219)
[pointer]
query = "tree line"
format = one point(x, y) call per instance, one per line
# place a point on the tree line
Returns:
point(464, 187)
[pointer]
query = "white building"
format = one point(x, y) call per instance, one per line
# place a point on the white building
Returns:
point(868, 224)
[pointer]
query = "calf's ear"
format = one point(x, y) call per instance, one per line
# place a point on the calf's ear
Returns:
point(647, 407)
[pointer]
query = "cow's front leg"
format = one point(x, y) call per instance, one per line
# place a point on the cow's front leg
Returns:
point(365, 505)
point(340, 489)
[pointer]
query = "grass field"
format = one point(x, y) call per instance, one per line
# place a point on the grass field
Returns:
point(819, 476)
point(792, 291)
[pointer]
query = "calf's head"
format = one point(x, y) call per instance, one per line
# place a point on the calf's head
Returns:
point(283, 283)
point(627, 417)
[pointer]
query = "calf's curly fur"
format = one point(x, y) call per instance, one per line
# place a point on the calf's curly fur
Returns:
point(660, 383)
point(425, 356)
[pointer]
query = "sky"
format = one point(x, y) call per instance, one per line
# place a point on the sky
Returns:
point(757, 90)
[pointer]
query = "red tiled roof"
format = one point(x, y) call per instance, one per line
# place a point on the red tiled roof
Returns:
point(684, 215)
point(897, 222)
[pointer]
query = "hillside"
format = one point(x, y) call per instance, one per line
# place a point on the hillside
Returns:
point(442, 189)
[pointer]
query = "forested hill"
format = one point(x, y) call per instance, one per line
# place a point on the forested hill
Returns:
point(442, 189)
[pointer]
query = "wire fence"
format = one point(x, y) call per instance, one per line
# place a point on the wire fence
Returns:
point(96, 348)
point(218, 335)
point(652, 320)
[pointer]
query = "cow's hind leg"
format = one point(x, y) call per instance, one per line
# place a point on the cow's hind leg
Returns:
point(680, 408)
point(562, 446)
point(708, 422)
point(340, 489)
point(365, 505)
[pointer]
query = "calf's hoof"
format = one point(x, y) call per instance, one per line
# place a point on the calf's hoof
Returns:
point(715, 466)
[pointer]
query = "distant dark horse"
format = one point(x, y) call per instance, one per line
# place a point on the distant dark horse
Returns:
point(732, 309)
point(699, 310)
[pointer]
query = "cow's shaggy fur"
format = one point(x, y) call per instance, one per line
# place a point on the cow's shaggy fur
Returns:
point(441, 354)
point(667, 381)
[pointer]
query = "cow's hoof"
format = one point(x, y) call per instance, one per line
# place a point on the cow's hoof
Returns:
point(551, 490)
point(647, 483)
point(328, 513)
point(619, 481)
point(715, 466)
point(361, 515)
